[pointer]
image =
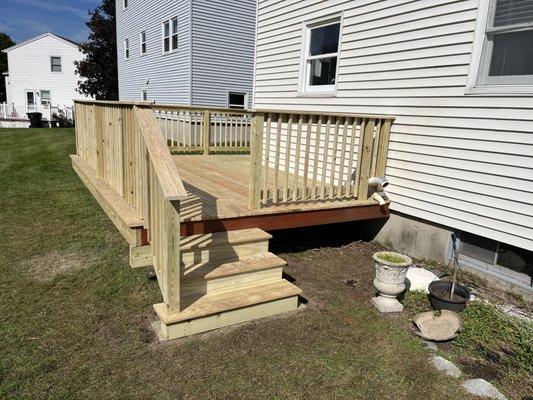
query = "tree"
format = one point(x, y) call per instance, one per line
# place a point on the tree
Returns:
point(5, 42)
point(99, 68)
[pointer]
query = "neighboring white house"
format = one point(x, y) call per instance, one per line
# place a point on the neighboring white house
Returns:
point(458, 75)
point(41, 73)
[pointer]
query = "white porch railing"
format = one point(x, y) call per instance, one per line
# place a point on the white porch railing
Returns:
point(17, 112)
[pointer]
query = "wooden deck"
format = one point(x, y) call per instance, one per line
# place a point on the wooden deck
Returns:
point(219, 187)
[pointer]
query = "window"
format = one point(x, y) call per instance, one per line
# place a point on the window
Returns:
point(55, 64)
point(126, 48)
point(170, 35)
point(506, 262)
point(144, 95)
point(143, 42)
point(30, 98)
point(321, 55)
point(503, 55)
point(124, 4)
point(237, 100)
point(45, 98)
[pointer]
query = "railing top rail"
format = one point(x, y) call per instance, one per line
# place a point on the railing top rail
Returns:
point(320, 113)
point(162, 106)
point(163, 164)
point(113, 102)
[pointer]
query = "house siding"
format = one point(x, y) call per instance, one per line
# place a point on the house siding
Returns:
point(459, 160)
point(223, 39)
point(168, 74)
point(29, 69)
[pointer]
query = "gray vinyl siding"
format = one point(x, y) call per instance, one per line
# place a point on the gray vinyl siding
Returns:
point(465, 161)
point(168, 74)
point(223, 50)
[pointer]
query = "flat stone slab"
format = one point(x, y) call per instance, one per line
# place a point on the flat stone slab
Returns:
point(387, 305)
point(430, 346)
point(482, 388)
point(419, 279)
point(445, 366)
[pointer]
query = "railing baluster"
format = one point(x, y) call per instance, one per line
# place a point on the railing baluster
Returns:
point(277, 159)
point(317, 152)
point(297, 159)
point(307, 156)
point(287, 159)
point(267, 157)
point(343, 158)
point(334, 161)
point(348, 187)
point(325, 160)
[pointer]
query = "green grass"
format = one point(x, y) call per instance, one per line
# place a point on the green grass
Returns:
point(498, 344)
point(76, 319)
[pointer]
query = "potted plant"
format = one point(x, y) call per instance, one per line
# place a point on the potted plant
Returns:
point(446, 295)
point(391, 269)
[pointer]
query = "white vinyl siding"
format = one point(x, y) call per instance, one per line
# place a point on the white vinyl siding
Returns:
point(454, 159)
point(166, 77)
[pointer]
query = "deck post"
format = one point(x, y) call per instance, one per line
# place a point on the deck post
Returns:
point(256, 156)
point(383, 148)
point(366, 159)
point(206, 127)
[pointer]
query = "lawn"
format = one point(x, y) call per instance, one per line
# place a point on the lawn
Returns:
point(76, 318)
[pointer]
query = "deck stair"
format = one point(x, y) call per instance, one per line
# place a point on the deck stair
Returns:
point(228, 278)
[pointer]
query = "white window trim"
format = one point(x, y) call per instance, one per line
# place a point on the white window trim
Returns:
point(246, 98)
point(60, 64)
point(143, 92)
point(141, 42)
point(41, 96)
point(479, 64)
point(127, 52)
point(170, 34)
point(304, 89)
point(124, 6)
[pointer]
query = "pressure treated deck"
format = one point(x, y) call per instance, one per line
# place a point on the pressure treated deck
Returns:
point(219, 185)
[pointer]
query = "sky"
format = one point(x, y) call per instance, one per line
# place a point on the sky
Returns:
point(24, 19)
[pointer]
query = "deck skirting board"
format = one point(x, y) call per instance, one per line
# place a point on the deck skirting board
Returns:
point(296, 219)
point(110, 202)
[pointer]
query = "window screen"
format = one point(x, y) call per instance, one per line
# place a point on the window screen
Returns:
point(55, 64)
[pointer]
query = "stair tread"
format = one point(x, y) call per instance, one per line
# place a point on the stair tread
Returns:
point(220, 302)
point(252, 263)
point(241, 236)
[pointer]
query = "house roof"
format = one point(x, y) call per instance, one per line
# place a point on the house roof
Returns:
point(64, 39)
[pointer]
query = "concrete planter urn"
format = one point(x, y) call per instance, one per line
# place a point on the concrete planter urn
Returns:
point(391, 269)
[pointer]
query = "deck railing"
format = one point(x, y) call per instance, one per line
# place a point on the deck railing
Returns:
point(124, 146)
point(204, 130)
point(20, 112)
point(299, 157)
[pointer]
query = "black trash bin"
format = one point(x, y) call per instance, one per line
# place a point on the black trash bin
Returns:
point(35, 119)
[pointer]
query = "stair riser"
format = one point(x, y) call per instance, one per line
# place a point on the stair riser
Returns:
point(222, 254)
point(232, 317)
point(231, 283)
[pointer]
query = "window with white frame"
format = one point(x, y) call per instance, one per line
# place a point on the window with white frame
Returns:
point(170, 35)
point(321, 56)
point(237, 100)
point(55, 64)
point(46, 99)
point(143, 42)
point(144, 95)
point(126, 48)
point(504, 45)
point(124, 4)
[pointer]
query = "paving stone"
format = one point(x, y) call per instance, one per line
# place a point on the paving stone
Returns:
point(482, 388)
point(446, 366)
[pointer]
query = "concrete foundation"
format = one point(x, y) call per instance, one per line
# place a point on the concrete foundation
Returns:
point(417, 238)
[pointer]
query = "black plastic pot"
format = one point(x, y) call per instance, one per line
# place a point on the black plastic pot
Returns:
point(439, 296)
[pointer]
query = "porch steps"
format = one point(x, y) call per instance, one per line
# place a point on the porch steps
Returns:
point(225, 309)
point(223, 246)
point(228, 278)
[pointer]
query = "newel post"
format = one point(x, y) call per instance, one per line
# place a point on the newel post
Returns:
point(206, 127)
point(256, 156)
